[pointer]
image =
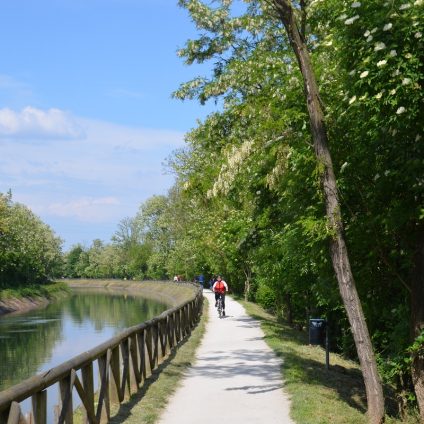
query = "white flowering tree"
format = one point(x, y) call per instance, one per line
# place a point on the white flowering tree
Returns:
point(381, 53)
point(257, 157)
point(225, 38)
point(30, 252)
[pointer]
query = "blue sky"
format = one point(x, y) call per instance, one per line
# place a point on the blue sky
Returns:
point(86, 114)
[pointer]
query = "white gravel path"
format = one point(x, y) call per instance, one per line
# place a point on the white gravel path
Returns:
point(235, 379)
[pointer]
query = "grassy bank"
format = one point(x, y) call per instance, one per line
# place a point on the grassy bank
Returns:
point(171, 293)
point(49, 290)
point(318, 396)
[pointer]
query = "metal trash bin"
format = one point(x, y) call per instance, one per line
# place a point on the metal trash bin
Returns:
point(317, 331)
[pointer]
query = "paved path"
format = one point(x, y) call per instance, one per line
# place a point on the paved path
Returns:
point(236, 377)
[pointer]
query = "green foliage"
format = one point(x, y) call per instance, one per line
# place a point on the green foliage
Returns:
point(30, 253)
point(266, 297)
point(49, 291)
point(253, 166)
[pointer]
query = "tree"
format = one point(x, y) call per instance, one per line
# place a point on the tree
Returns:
point(30, 252)
point(224, 37)
point(380, 55)
point(72, 259)
point(338, 249)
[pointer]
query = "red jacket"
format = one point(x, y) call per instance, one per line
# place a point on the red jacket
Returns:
point(220, 287)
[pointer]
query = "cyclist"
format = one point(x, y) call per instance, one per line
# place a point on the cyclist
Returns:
point(219, 288)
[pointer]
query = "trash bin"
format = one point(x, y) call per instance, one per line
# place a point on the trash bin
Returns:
point(317, 331)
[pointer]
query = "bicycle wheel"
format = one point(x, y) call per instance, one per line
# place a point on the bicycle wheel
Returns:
point(220, 307)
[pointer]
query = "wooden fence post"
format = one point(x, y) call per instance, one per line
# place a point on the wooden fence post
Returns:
point(39, 407)
point(115, 393)
point(88, 385)
point(135, 376)
point(66, 414)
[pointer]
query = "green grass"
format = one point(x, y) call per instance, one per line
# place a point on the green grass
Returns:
point(318, 395)
point(146, 406)
point(49, 291)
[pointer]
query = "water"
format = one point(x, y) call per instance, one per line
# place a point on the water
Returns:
point(41, 339)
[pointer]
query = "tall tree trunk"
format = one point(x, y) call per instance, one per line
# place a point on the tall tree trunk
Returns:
point(289, 314)
point(248, 275)
point(417, 323)
point(338, 248)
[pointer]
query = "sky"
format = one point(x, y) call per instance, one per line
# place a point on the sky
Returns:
point(87, 119)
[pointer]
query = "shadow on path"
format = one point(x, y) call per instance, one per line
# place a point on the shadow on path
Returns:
point(125, 409)
point(346, 382)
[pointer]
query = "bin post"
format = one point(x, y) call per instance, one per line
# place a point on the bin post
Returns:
point(327, 347)
point(317, 327)
point(316, 331)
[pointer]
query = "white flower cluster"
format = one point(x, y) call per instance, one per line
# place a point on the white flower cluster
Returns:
point(379, 46)
point(273, 178)
point(369, 33)
point(235, 158)
point(350, 21)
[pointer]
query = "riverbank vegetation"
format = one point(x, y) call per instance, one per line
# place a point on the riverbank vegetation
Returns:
point(30, 252)
point(23, 298)
point(162, 291)
point(49, 290)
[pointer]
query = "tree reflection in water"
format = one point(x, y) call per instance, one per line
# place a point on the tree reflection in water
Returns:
point(39, 340)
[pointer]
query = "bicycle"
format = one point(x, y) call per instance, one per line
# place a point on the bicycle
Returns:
point(220, 309)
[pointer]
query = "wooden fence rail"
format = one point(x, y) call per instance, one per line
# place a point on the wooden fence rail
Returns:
point(124, 362)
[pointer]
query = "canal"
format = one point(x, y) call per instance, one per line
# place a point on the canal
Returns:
point(41, 339)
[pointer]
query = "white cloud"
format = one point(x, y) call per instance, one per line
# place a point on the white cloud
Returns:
point(120, 137)
point(86, 209)
point(39, 124)
point(102, 177)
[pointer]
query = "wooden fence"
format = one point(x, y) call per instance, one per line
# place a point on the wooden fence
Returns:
point(124, 363)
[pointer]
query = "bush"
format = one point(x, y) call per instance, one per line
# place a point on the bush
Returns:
point(265, 296)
